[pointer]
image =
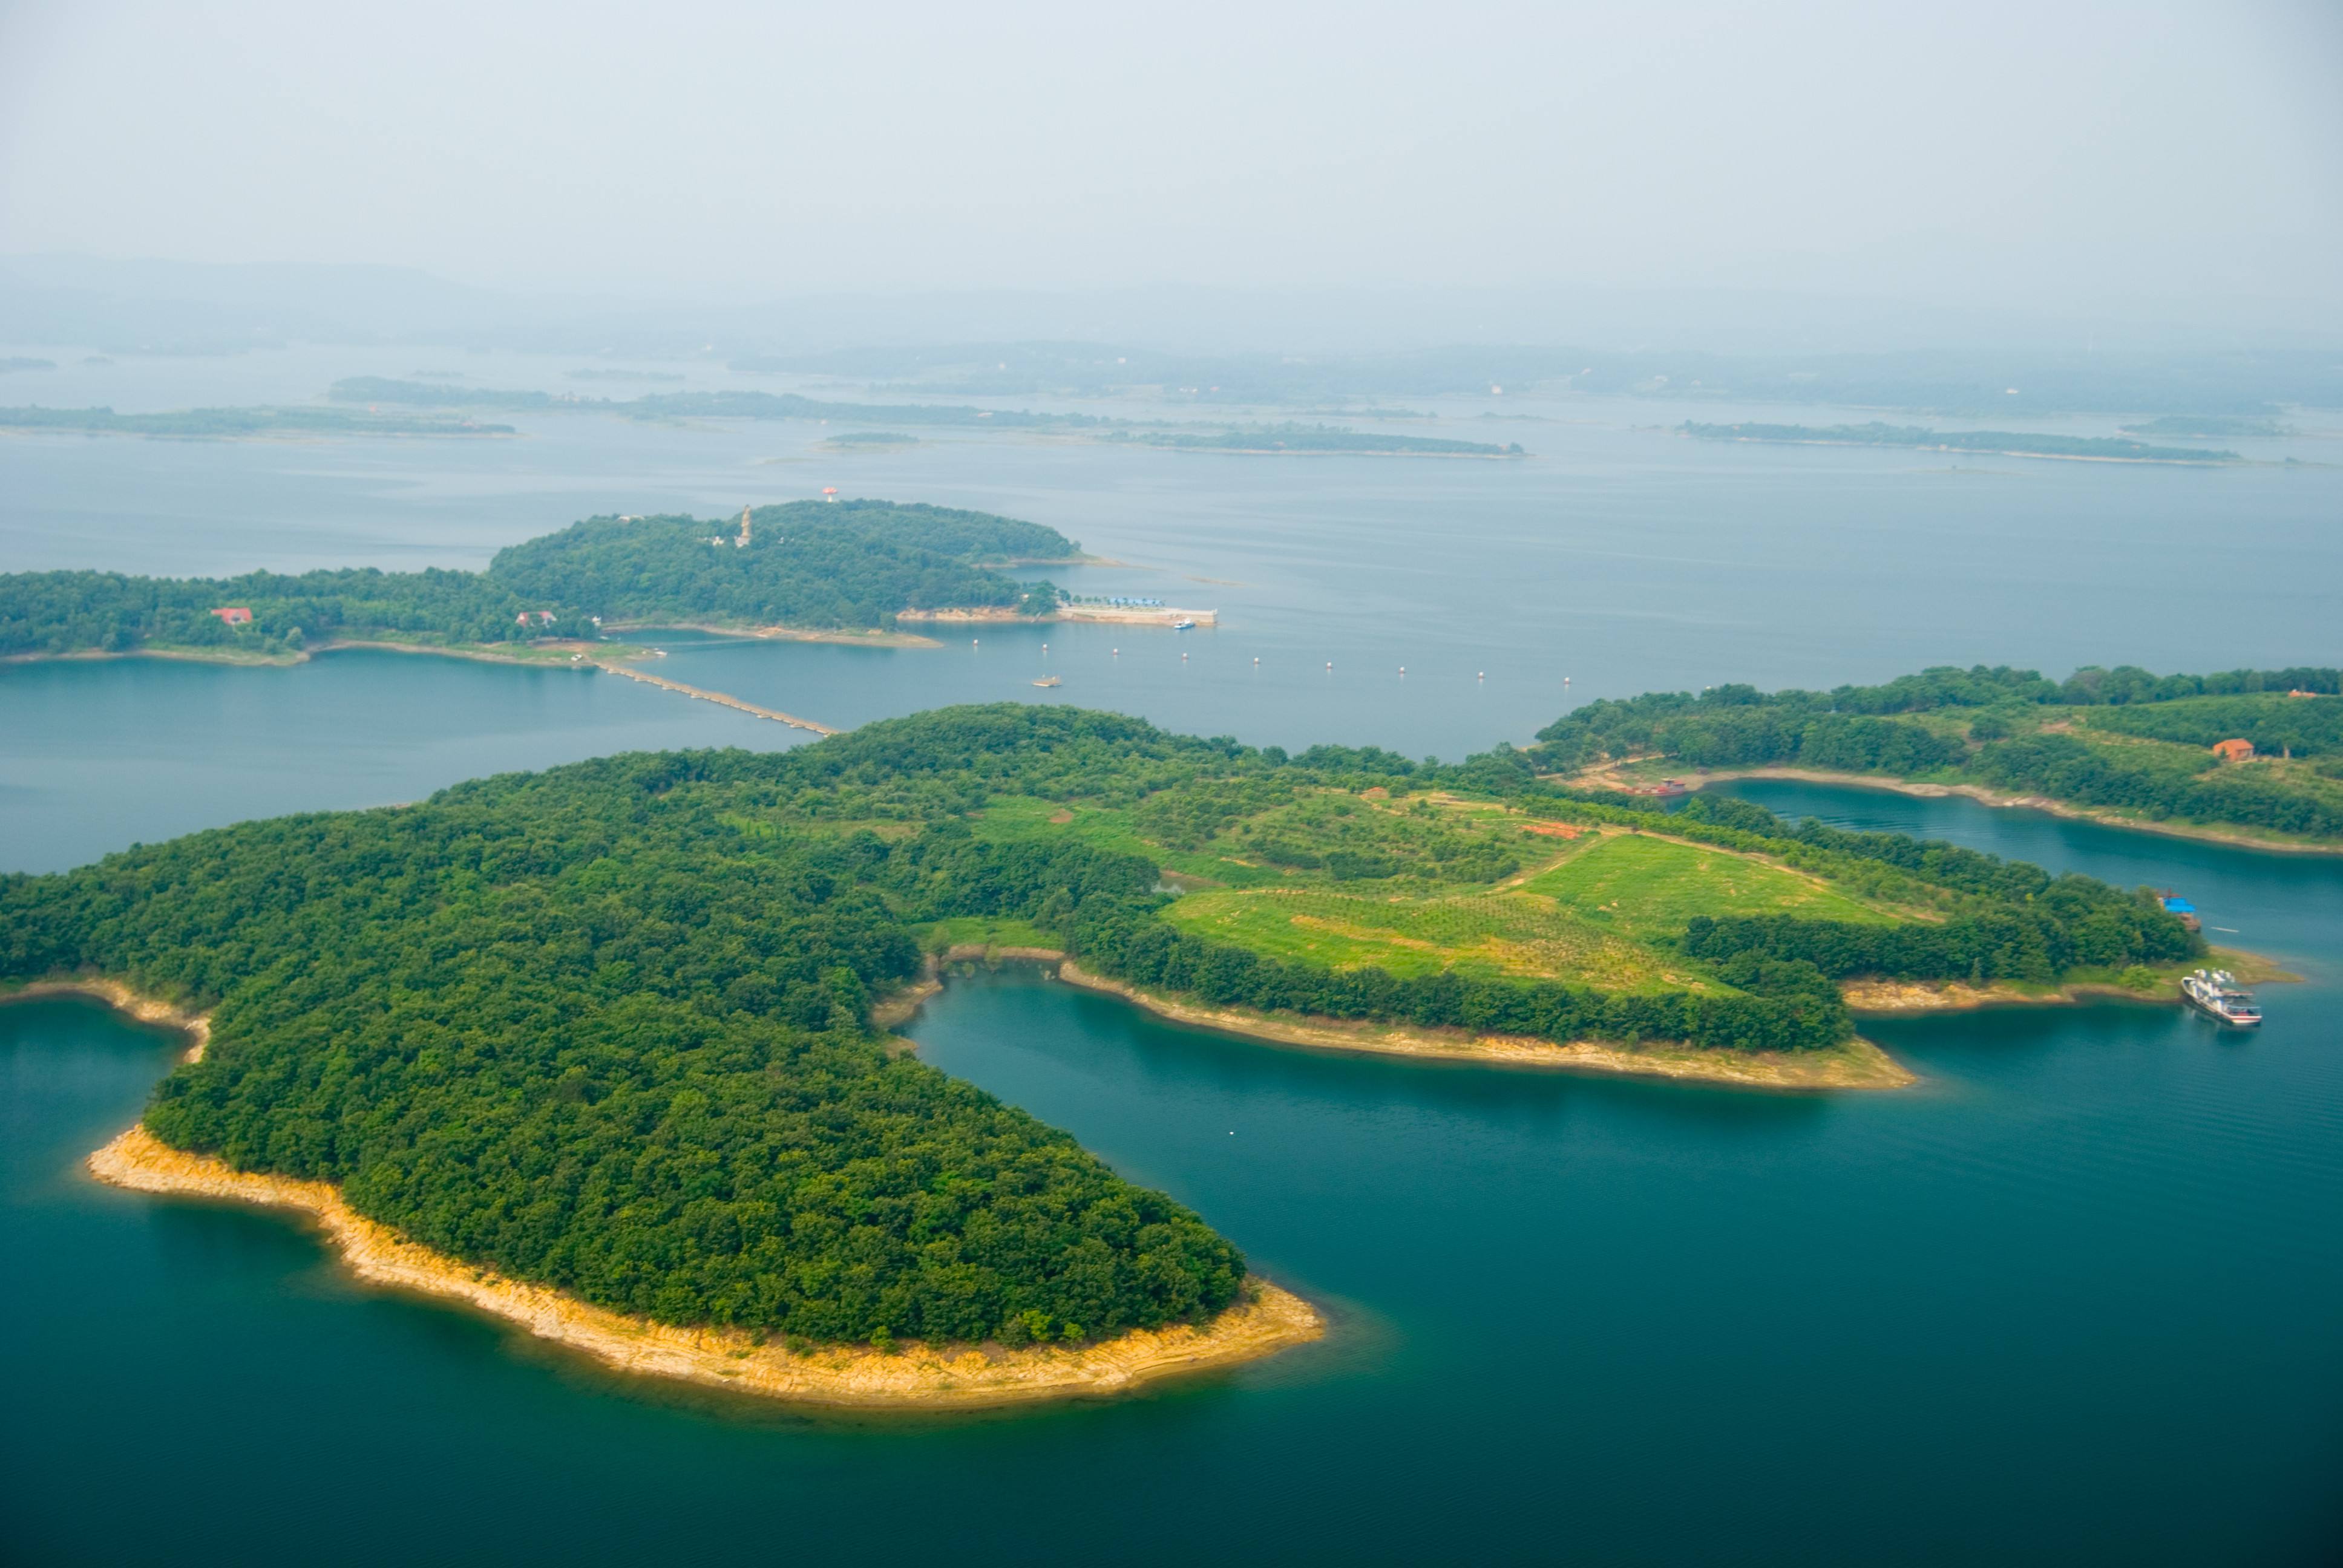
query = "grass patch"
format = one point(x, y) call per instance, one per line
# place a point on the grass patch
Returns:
point(1515, 934)
point(1645, 888)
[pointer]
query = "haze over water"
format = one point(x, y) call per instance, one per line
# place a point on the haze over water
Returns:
point(2071, 1298)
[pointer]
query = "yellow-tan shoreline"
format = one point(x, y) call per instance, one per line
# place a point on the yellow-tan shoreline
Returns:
point(913, 1377)
point(1857, 1064)
point(1998, 799)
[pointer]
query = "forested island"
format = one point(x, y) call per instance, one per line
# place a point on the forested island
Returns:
point(822, 566)
point(1261, 439)
point(1310, 440)
point(231, 423)
point(2121, 743)
point(1997, 443)
point(614, 1029)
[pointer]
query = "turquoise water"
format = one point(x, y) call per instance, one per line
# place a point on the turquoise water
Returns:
point(2073, 1299)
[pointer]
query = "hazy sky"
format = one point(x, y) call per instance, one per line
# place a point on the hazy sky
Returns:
point(2138, 156)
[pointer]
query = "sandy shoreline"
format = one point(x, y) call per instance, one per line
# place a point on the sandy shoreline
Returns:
point(1857, 1064)
point(913, 1377)
point(2233, 837)
point(197, 1027)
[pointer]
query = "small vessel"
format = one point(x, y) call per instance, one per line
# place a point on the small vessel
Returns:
point(1048, 680)
point(1670, 787)
point(2217, 991)
point(1183, 624)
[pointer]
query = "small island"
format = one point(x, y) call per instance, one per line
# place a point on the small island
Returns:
point(1991, 443)
point(1298, 440)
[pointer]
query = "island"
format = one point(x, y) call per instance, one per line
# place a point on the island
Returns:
point(1993, 443)
point(2245, 757)
point(604, 1049)
point(1291, 439)
point(838, 570)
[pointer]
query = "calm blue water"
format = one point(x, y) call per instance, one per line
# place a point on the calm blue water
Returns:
point(2074, 1298)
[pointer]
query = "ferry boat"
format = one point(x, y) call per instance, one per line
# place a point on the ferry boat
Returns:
point(2217, 992)
point(1048, 680)
point(1183, 624)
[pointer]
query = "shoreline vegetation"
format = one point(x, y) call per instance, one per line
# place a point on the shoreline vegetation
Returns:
point(663, 1081)
point(2252, 758)
point(911, 1376)
point(803, 569)
point(2000, 799)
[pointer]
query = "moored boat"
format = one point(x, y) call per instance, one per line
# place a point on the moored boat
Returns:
point(2217, 992)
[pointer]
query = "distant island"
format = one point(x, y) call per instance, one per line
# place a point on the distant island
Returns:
point(2246, 755)
point(215, 424)
point(18, 362)
point(815, 566)
point(1995, 443)
point(1258, 439)
point(1304, 440)
point(602, 1049)
point(871, 439)
point(2207, 427)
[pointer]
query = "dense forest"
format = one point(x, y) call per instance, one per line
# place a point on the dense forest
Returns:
point(808, 563)
point(2015, 729)
point(608, 1027)
point(2004, 442)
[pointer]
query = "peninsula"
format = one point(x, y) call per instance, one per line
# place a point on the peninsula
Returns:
point(2246, 757)
point(601, 1049)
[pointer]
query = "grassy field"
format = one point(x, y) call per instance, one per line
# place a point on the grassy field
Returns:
point(1642, 887)
point(1479, 932)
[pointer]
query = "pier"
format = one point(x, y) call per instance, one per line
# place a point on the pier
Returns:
point(722, 698)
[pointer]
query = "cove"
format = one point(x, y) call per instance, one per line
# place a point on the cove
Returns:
point(2072, 1298)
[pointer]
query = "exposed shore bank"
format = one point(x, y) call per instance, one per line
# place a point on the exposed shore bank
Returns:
point(913, 1377)
point(2236, 837)
point(1856, 1064)
point(1892, 997)
point(197, 1027)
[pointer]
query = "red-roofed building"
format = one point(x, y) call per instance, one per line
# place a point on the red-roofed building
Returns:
point(235, 615)
point(2234, 751)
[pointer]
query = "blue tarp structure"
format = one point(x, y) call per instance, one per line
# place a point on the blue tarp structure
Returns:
point(2179, 907)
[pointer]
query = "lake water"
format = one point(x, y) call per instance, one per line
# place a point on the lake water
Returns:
point(2074, 1298)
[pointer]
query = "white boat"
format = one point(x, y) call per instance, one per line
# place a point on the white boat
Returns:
point(2217, 991)
point(1183, 624)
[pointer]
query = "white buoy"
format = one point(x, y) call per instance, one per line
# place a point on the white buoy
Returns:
point(1256, 658)
point(1329, 664)
point(1402, 669)
point(1183, 659)
point(1480, 675)
point(1118, 653)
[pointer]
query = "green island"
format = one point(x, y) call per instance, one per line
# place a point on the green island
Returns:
point(1997, 443)
point(239, 424)
point(1297, 439)
point(2247, 756)
point(603, 1048)
point(838, 566)
point(2207, 427)
point(1254, 440)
